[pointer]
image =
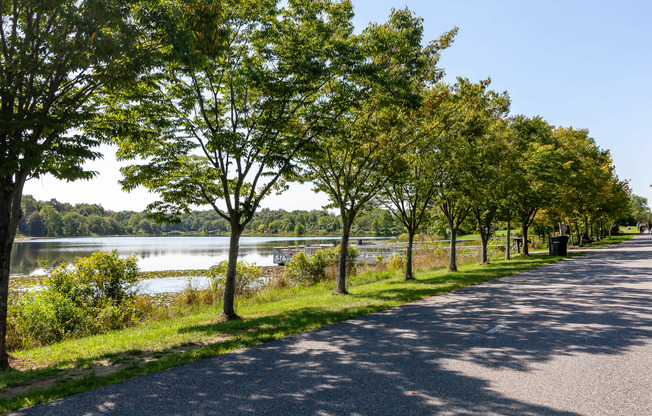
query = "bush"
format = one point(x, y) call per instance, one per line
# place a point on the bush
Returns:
point(306, 269)
point(102, 277)
point(94, 295)
point(395, 263)
point(247, 278)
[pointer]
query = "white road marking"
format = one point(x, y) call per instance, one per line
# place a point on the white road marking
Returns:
point(496, 328)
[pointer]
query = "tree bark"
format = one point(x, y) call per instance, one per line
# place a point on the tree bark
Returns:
point(228, 308)
point(5, 262)
point(408, 256)
point(526, 251)
point(577, 232)
point(452, 255)
point(340, 288)
point(11, 196)
point(484, 240)
point(508, 254)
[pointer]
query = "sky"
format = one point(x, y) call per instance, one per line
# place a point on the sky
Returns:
point(585, 64)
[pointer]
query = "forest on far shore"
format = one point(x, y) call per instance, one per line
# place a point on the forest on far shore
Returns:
point(58, 219)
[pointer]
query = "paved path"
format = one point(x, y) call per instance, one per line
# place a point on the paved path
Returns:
point(571, 338)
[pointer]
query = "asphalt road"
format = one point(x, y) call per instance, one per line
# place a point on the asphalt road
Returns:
point(570, 338)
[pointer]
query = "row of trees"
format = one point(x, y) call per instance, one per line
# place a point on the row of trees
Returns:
point(220, 103)
point(57, 219)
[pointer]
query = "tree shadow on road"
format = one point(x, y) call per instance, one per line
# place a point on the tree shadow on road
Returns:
point(398, 361)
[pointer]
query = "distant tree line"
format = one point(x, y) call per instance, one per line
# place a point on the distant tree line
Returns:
point(59, 219)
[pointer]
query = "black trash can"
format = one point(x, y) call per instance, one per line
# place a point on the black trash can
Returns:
point(558, 245)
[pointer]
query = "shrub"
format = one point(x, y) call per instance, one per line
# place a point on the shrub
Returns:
point(102, 277)
point(93, 295)
point(247, 278)
point(306, 269)
point(395, 263)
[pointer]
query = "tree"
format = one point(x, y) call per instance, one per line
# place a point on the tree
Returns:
point(465, 153)
point(358, 154)
point(51, 220)
point(537, 169)
point(34, 225)
point(74, 224)
point(96, 225)
point(54, 58)
point(410, 193)
point(222, 121)
point(639, 209)
point(585, 178)
point(486, 164)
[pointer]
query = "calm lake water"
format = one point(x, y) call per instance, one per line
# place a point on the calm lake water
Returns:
point(154, 253)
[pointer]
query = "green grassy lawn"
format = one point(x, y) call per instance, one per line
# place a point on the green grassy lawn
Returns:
point(614, 239)
point(72, 366)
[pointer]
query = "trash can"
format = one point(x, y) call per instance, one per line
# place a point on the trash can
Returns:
point(558, 245)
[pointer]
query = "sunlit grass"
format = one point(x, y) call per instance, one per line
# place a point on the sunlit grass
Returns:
point(72, 365)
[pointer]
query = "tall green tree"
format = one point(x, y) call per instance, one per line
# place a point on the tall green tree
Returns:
point(222, 121)
point(410, 192)
point(55, 56)
point(465, 155)
point(537, 170)
point(486, 166)
point(639, 209)
point(585, 174)
point(357, 155)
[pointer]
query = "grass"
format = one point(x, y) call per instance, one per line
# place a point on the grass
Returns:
point(46, 373)
point(624, 235)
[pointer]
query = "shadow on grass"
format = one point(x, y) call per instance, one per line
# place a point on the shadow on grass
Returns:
point(254, 331)
point(417, 357)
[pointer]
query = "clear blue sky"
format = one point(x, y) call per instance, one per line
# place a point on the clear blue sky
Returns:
point(586, 64)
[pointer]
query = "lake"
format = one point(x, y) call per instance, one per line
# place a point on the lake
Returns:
point(33, 257)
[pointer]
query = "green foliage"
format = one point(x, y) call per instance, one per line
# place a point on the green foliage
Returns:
point(103, 277)
point(247, 278)
point(308, 270)
point(639, 210)
point(92, 296)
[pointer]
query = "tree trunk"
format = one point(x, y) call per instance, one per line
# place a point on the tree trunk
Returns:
point(484, 240)
point(5, 263)
point(228, 310)
point(586, 225)
point(11, 196)
point(508, 254)
point(408, 256)
point(452, 255)
point(340, 288)
point(526, 251)
point(577, 231)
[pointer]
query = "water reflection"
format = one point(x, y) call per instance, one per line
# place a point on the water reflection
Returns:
point(171, 285)
point(154, 253)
